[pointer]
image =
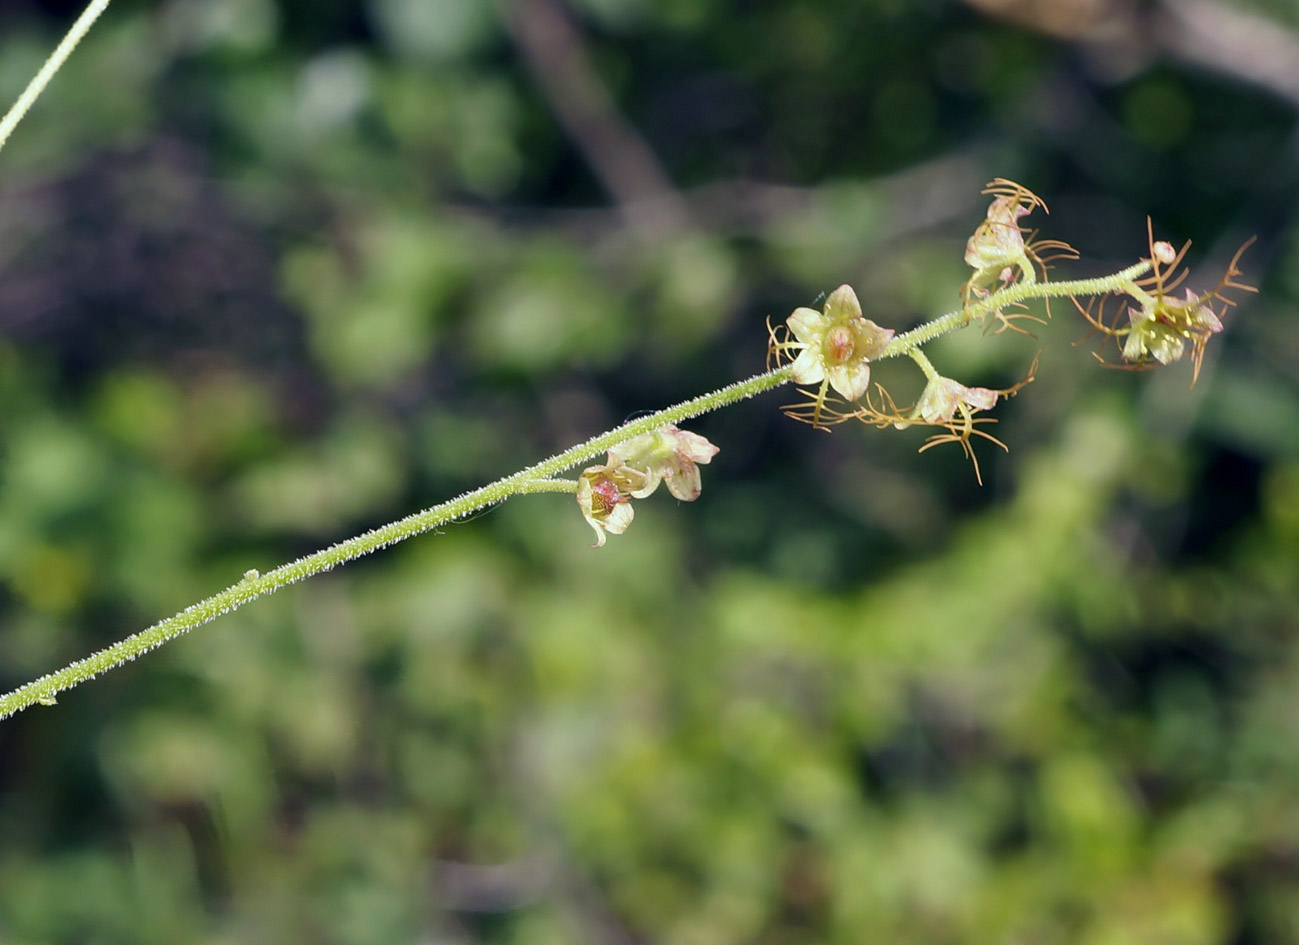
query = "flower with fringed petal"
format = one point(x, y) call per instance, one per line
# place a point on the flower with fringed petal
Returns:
point(836, 345)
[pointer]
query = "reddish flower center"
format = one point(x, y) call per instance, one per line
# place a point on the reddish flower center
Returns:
point(838, 345)
point(604, 496)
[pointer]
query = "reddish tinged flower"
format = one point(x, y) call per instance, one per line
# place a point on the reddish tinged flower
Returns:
point(1161, 327)
point(634, 471)
point(943, 397)
point(604, 496)
point(999, 242)
point(998, 251)
point(667, 455)
point(837, 345)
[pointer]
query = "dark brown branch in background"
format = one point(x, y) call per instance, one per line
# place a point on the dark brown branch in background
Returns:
point(1244, 45)
point(552, 47)
point(1207, 34)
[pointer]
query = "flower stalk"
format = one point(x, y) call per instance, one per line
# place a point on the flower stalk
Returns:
point(534, 479)
point(52, 65)
point(1010, 295)
point(832, 349)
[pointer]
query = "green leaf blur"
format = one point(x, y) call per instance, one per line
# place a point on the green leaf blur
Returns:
point(273, 273)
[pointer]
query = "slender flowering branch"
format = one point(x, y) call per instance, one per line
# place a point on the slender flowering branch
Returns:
point(832, 349)
point(52, 65)
point(534, 479)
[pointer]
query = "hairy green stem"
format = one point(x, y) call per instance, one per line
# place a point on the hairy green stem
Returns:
point(52, 65)
point(254, 585)
point(534, 479)
point(1019, 292)
point(534, 486)
point(931, 372)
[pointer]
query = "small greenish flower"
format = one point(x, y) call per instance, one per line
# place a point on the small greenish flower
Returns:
point(667, 455)
point(1161, 327)
point(944, 397)
point(836, 345)
point(998, 243)
point(604, 496)
point(998, 251)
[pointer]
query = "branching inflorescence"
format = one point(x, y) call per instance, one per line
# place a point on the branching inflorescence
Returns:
point(835, 348)
point(1159, 324)
point(828, 354)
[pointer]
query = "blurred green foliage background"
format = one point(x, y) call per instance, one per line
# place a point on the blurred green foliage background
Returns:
point(275, 271)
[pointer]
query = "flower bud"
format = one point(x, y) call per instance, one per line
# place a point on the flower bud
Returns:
point(1163, 252)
